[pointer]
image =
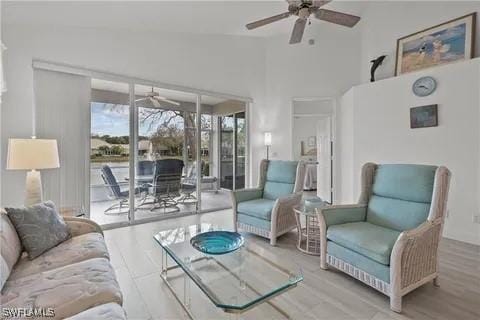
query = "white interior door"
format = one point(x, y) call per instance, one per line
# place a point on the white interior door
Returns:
point(324, 158)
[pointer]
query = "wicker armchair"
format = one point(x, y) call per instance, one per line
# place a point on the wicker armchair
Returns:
point(267, 210)
point(389, 240)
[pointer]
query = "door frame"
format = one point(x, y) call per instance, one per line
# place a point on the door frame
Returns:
point(334, 146)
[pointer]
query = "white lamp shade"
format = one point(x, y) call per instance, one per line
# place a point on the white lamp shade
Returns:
point(268, 138)
point(30, 154)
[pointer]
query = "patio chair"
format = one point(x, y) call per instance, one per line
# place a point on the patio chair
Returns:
point(145, 167)
point(116, 192)
point(189, 183)
point(166, 186)
point(389, 240)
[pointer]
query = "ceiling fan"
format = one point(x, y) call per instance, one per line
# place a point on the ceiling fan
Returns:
point(303, 9)
point(156, 99)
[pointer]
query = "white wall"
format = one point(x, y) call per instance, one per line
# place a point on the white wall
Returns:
point(326, 69)
point(382, 134)
point(226, 64)
point(383, 22)
point(343, 187)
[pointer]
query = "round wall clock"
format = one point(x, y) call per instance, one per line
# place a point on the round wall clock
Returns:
point(424, 86)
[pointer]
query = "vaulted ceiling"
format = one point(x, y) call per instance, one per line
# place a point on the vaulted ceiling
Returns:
point(204, 17)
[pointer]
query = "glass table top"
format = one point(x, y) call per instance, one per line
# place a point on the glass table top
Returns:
point(233, 281)
point(305, 210)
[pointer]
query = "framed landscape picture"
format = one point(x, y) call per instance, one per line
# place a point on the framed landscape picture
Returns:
point(424, 116)
point(446, 43)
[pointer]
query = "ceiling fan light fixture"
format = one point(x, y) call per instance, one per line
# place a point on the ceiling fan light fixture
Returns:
point(303, 9)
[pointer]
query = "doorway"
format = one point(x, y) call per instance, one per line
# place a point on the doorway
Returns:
point(313, 142)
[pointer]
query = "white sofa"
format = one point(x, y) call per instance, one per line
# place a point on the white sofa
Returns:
point(74, 279)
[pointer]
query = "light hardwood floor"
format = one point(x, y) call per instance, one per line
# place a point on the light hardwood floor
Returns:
point(322, 295)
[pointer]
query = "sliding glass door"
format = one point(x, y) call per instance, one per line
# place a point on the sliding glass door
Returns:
point(240, 150)
point(233, 150)
point(158, 152)
point(109, 151)
point(166, 152)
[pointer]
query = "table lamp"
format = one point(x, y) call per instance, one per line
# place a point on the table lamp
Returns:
point(32, 154)
point(268, 141)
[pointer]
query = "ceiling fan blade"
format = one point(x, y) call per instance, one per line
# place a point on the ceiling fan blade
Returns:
point(268, 20)
point(141, 99)
point(162, 99)
point(298, 29)
point(320, 3)
point(340, 18)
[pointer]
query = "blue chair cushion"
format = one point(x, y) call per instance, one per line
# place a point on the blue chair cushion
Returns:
point(253, 221)
point(280, 179)
point(359, 261)
point(396, 214)
point(407, 182)
point(369, 240)
point(282, 171)
point(258, 208)
point(275, 190)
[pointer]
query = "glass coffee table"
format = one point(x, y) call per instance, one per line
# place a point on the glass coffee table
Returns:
point(234, 282)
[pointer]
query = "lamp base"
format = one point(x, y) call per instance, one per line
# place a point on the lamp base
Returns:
point(34, 193)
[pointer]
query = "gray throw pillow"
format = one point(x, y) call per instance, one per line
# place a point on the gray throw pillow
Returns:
point(39, 227)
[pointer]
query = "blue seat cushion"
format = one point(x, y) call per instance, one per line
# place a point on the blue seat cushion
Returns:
point(369, 240)
point(253, 221)
point(359, 261)
point(258, 208)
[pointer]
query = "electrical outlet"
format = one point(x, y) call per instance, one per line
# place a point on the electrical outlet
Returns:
point(476, 219)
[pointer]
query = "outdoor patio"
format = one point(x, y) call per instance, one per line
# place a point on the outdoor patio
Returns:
point(210, 201)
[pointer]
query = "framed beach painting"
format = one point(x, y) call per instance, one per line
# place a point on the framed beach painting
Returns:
point(446, 43)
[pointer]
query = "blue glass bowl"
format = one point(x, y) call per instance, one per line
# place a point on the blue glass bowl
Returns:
point(217, 242)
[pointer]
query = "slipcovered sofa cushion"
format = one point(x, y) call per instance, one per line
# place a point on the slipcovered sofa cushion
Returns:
point(259, 208)
point(11, 248)
point(108, 311)
point(369, 240)
point(68, 290)
point(76, 249)
point(39, 227)
point(359, 261)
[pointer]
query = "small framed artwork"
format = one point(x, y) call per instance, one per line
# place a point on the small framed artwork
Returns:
point(312, 141)
point(424, 116)
point(445, 43)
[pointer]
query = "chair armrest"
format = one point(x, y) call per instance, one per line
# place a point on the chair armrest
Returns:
point(284, 205)
point(290, 200)
point(340, 214)
point(415, 255)
point(283, 217)
point(246, 195)
point(79, 226)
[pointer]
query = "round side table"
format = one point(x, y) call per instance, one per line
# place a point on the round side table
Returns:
point(308, 235)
